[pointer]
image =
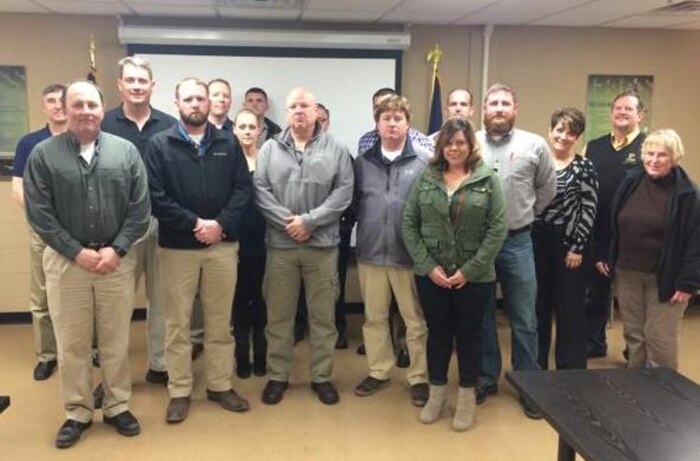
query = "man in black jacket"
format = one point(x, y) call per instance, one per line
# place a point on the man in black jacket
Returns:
point(256, 100)
point(612, 155)
point(199, 186)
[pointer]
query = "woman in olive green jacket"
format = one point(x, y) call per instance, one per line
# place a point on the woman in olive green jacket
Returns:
point(453, 228)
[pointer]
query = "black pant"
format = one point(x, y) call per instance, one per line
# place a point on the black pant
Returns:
point(597, 308)
point(249, 308)
point(560, 290)
point(301, 318)
point(454, 314)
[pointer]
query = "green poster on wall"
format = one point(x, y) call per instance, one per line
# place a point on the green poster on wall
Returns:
point(14, 117)
point(601, 91)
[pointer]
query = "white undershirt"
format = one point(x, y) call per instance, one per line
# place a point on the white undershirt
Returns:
point(87, 151)
point(391, 154)
point(197, 138)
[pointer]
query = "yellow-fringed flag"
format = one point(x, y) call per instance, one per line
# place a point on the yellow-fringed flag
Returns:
point(435, 114)
point(92, 69)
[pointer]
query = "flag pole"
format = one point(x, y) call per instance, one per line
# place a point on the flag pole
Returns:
point(92, 68)
point(435, 106)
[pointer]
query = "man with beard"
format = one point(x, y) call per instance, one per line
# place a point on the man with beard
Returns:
point(44, 338)
point(87, 198)
point(612, 155)
point(303, 183)
point(523, 162)
point(220, 105)
point(199, 187)
point(136, 121)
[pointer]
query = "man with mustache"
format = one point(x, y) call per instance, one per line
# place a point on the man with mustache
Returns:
point(303, 183)
point(87, 198)
point(199, 184)
point(44, 338)
point(220, 95)
point(612, 155)
point(523, 162)
point(137, 121)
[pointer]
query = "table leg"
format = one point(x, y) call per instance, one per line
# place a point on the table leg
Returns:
point(566, 453)
point(4, 403)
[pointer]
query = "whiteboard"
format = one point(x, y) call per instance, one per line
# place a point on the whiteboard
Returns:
point(343, 84)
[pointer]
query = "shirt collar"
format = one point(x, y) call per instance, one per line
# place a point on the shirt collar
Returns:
point(617, 145)
point(182, 131)
point(500, 141)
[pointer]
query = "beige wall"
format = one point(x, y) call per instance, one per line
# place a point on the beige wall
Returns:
point(548, 67)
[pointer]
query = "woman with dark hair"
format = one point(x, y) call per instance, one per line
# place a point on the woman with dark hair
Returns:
point(560, 237)
point(249, 308)
point(655, 251)
point(453, 228)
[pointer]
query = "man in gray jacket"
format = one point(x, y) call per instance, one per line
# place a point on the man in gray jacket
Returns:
point(385, 175)
point(303, 183)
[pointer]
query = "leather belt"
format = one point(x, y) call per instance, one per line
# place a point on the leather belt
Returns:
point(520, 230)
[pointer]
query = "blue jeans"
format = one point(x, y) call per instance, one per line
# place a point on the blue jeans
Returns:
point(515, 267)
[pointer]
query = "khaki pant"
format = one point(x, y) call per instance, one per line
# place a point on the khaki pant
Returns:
point(284, 270)
point(214, 270)
point(145, 251)
point(377, 284)
point(651, 328)
point(82, 303)
point(44, 338)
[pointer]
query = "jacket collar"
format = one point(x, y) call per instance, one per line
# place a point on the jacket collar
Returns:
point(285, 137)
point(481, 172)
point(374, 153)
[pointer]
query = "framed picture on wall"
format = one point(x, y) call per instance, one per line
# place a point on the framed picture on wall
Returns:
point(601, 91)
point(14, 116)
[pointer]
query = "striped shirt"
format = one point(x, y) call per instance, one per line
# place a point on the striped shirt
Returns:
point(574, 206)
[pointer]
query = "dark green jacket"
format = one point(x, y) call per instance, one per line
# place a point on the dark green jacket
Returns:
point(465, 233)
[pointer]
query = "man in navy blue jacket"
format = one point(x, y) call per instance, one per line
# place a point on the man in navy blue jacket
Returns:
point(199, 185)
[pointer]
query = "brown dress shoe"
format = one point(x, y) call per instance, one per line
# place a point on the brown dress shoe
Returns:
point(177, 411)
point(229, 400)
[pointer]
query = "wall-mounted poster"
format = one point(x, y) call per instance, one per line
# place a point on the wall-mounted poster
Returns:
point(14, 117)
point(601, 91)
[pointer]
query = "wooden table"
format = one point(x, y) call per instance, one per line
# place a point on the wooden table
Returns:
point(617, 414)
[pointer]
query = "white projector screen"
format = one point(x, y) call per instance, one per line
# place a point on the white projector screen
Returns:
point(343, 84)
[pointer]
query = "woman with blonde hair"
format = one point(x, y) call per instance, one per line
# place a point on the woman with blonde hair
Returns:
point(655, 251)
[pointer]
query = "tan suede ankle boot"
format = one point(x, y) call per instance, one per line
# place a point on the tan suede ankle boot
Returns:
point(464, 412)
point(436, 401)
